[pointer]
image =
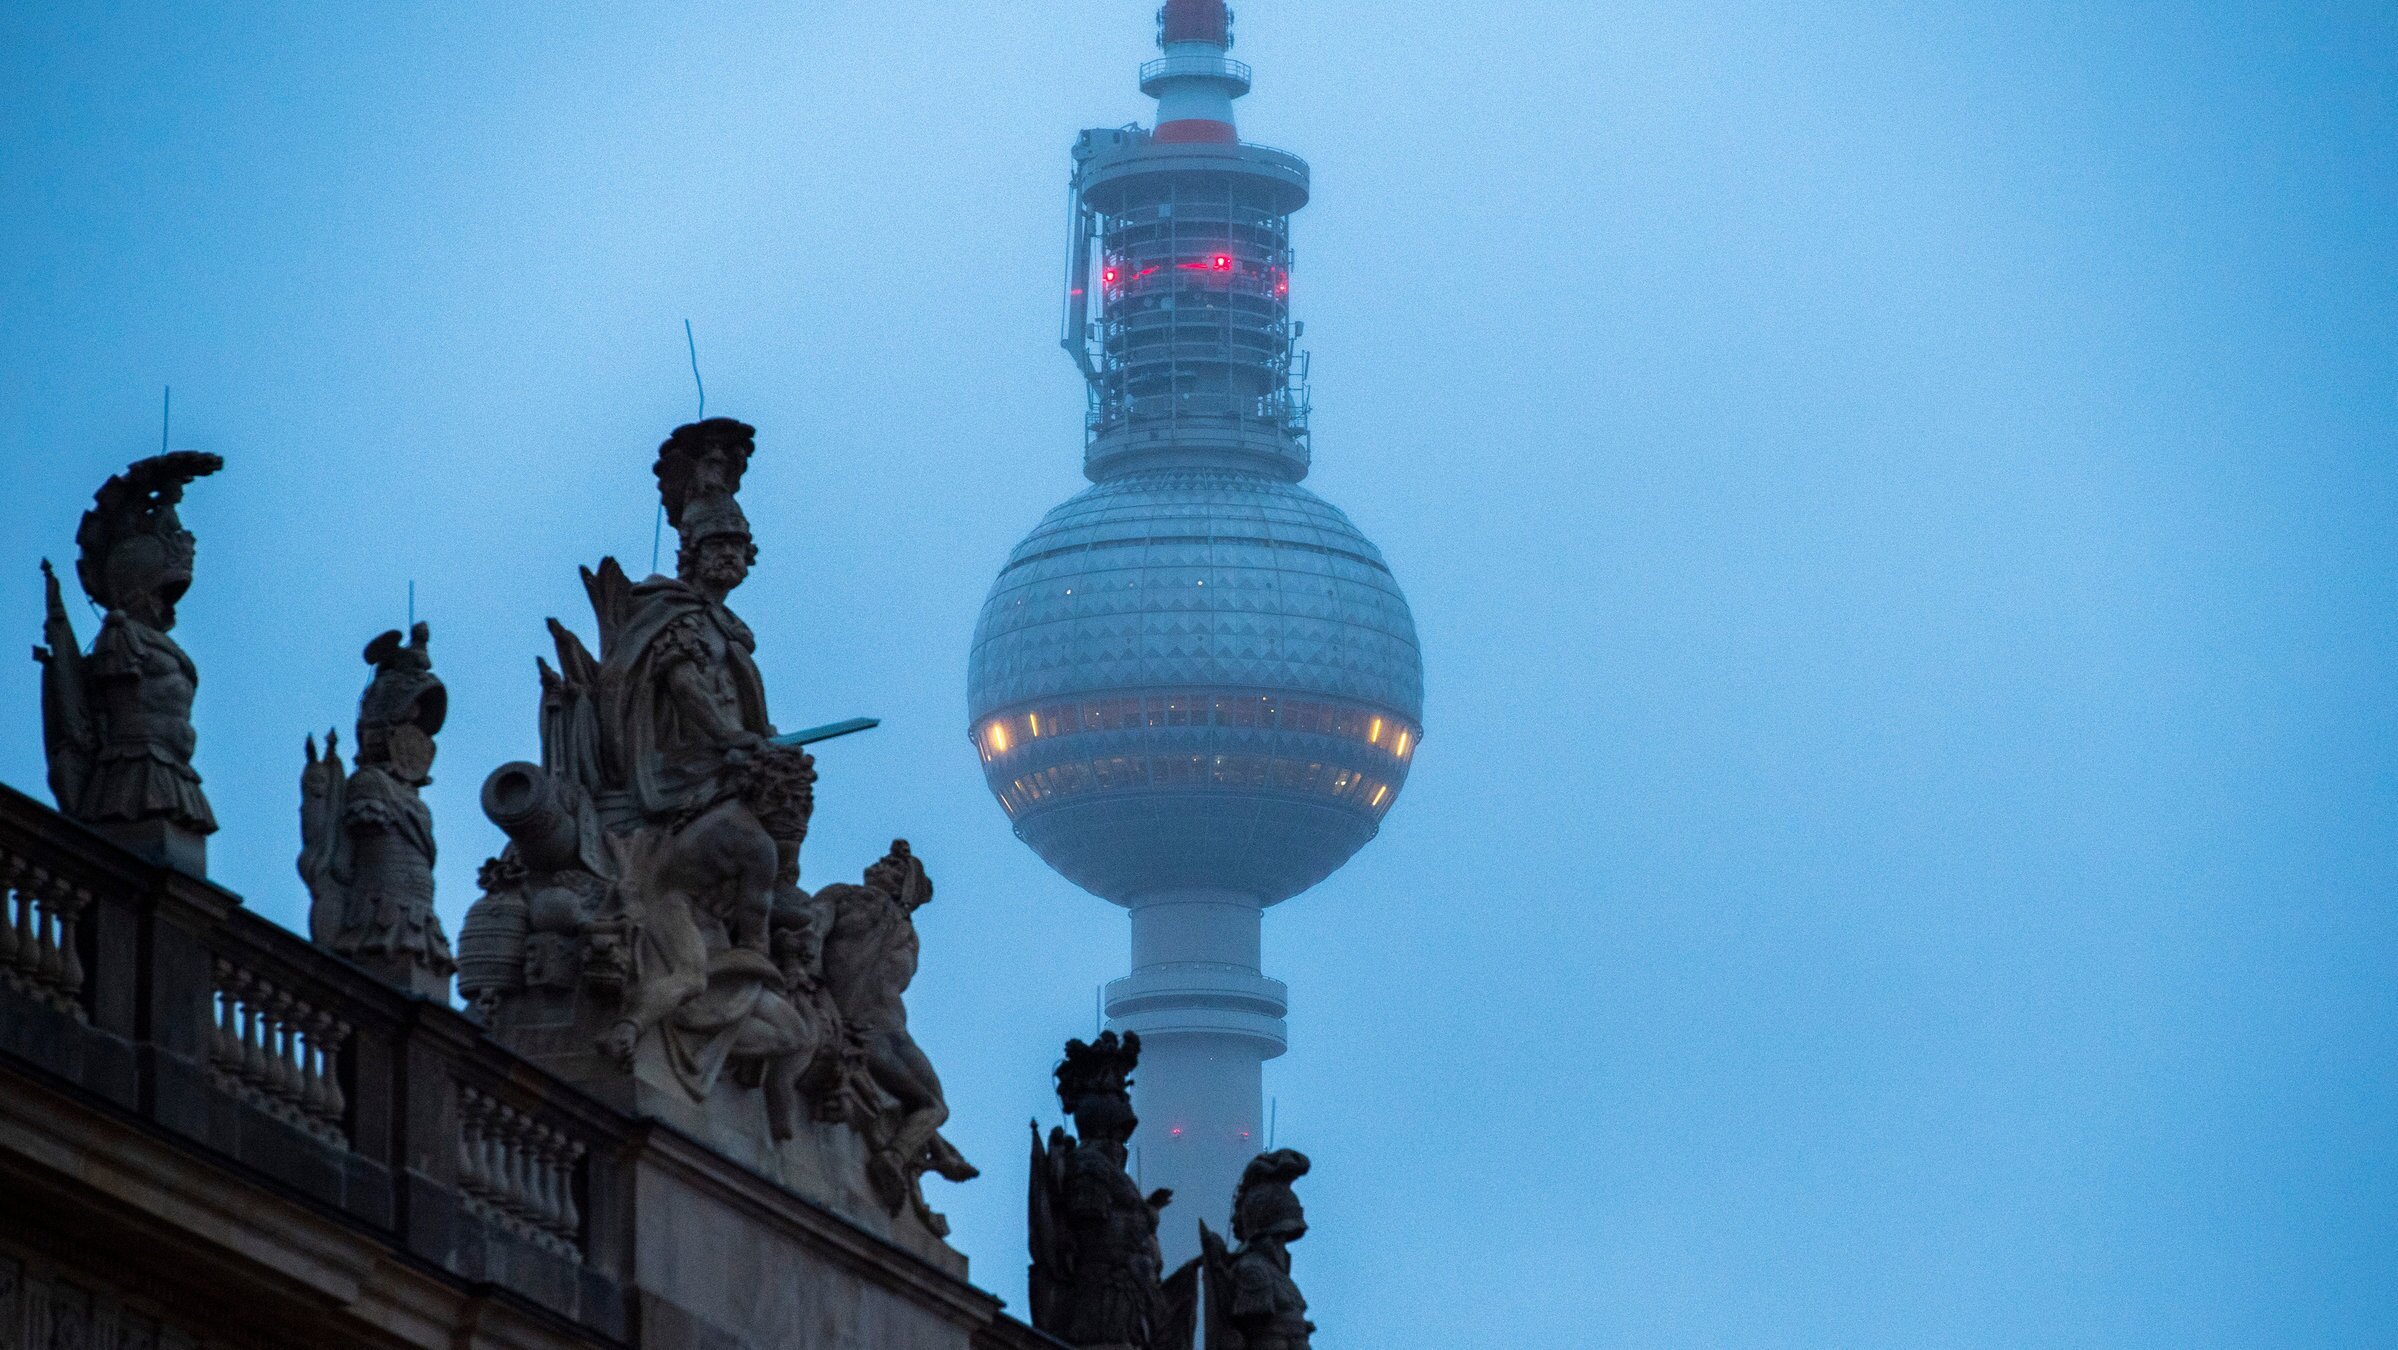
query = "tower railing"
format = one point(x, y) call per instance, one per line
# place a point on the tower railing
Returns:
point(1223, 68)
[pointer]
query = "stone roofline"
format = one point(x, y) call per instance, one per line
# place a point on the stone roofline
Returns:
point(324, 1154)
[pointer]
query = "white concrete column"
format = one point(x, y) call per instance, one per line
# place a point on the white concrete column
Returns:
point(1208, 1021)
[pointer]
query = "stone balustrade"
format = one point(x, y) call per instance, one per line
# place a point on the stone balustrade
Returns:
point(519, 1173)
point(38, 946)
point(277, 1052)
point(163, 995)
point(160, 998)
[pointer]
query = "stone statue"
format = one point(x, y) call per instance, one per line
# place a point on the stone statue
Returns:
point(116, 721)
point(645, 933)
point(869, 961)
point(712, 1004)
point(1252, 1303)
point(367, 838)
point(1095, 1262)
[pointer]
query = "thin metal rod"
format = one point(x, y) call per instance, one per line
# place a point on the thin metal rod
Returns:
point(166, 417)
point(657, 529)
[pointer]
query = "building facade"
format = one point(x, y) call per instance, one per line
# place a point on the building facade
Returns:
point(215, 1134)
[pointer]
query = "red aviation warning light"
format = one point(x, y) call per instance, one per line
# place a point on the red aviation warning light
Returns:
point(1223, 262)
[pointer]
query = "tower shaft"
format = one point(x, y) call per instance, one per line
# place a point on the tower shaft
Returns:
point(1209, 1019)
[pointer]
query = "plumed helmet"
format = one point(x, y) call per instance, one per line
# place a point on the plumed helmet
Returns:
point(131, 542)
point(699, 469)
point(1094, 1084)
point(1265, 1205)
point(404, 692)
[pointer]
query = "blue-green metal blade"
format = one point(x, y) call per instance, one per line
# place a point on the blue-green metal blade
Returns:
point(827, 731)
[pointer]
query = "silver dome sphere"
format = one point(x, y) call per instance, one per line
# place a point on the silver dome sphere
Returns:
point(1195, 679)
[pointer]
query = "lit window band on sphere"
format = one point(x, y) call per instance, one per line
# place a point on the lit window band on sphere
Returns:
point(1146, 732)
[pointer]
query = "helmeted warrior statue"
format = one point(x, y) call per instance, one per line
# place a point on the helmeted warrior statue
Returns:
point(681, 701)
point(1095, 1263)
point(645, 931)
point(367, 838)
point(116, 721)
point(676, 679)
point(1252, 1303)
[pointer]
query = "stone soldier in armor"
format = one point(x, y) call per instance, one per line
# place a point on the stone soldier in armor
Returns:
point(683, 715)
point(677, 678)
point(1095, 1267)
point(1253, 1304)
point(116, 721)
point(367, 839)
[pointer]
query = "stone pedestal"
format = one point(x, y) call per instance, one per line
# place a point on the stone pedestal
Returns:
point(726, 1264)
point(825, 1161)
point(410, 977)
point(159, 841)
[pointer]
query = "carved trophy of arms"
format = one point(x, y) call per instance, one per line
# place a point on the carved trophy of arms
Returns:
point(69, 738)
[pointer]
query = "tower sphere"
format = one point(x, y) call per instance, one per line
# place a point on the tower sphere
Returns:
point(1195, 678)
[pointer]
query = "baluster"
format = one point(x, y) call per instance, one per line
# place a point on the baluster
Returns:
point(48, 970)
point(562, 1176)
point(528, 1173)
point(296, 1013)
point(570, 1219)
point(495, 1156)
point(520, 1177)
point(11, 878)
point(545, 1196)
point(497, 1160)
point(331, 1034)
point(311, 1081)
point(487, 1177)
point(545, 1190)
point(246, 992)
point(287, 1067)
point(269, 1080)
point(470, 1175)
point(72, 900)
point(243, 1032)
point(226, 1052)
point(28, 955)
point(528, 1143)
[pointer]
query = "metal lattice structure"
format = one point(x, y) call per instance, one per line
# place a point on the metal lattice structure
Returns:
point(1190, 350)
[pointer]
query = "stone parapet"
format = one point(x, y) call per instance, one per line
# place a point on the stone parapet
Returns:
point(268, 1145)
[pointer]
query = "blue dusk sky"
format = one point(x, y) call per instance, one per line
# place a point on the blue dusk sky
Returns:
point(1897, 500)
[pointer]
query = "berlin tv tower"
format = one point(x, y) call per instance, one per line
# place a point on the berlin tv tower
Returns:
point(1195, 686)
